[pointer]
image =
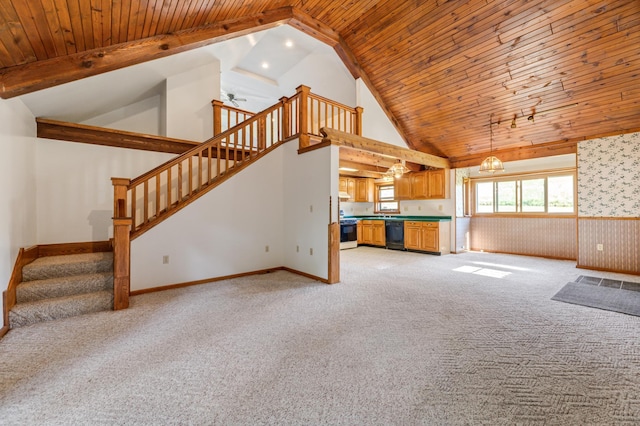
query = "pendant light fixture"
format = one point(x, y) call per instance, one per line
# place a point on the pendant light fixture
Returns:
point(397, 170)
point(491, 164)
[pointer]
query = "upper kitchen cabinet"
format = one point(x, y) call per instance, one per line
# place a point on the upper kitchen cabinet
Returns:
point(402, 187)
point(425, 185)
point(360, 190)
point(364, 190)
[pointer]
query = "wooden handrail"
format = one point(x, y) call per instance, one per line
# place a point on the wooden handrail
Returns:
point(143, 202)
point(225, 117)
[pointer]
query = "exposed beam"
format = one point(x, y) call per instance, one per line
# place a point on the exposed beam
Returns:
point(22, 79)
point(59, 130)
point(521, 153)
point(336, 137)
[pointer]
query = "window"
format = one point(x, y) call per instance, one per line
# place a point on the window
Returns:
point(550, 193)
point(385, 199)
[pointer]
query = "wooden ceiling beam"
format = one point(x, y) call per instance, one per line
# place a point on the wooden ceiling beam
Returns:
point(27, 78)
point(521, 153)
point(59, 130)
point(336, 137)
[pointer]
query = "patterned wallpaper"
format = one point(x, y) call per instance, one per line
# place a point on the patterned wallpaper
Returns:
point(608, 176)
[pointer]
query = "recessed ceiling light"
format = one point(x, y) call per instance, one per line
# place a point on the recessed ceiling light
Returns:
point(347, 169)
point(288, 43)
point(265, 65)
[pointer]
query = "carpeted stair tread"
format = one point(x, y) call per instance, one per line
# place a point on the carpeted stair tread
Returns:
point(62, 307)
point(31, 291)
point(60, 266)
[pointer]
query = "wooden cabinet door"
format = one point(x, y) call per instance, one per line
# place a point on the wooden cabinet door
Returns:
point(364, 190)
point(342, 184)
point(367, 232)
point(379, 233)
point(429, 237)
point(436, 184)
point(402, 188)
point(419, 185)
point(359, 231)
point(412, 235)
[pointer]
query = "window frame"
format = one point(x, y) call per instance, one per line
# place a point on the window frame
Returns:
point(518, 178)
point(377, 200)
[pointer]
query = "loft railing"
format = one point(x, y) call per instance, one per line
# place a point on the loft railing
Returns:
point(145, 201)
point(307, 111)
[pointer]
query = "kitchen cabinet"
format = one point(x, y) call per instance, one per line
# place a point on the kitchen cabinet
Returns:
point(364, 190)
point(432, 237)
point(360, 190)
point(427, 185)
point(436, 183)
point(402, 187)
point(359, 230)
point(373, 232)
point(348, 185)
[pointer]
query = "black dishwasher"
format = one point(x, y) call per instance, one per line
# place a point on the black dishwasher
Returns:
point(394, 234)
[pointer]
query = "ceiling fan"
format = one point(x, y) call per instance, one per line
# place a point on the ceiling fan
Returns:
point(228, 96)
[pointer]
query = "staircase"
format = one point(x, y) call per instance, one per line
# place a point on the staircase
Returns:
point(56, 287)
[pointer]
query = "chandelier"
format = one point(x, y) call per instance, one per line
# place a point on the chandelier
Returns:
point(491, 164)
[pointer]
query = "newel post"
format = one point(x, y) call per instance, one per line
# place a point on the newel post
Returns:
point(286, 118)
point(358, 122)
point(121, 244)
point(217, 116)
point(303, 118)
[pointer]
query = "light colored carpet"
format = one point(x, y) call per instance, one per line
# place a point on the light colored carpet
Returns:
point(405, 339)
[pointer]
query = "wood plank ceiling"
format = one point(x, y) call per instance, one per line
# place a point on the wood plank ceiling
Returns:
point(442, 69)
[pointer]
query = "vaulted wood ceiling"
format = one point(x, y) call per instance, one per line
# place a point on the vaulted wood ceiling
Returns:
point(442, 69)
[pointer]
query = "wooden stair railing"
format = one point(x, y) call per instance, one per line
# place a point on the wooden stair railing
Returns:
point(145, 201)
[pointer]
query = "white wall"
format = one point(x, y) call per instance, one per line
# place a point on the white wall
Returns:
point(18, 209)
point(145, 116)
point(325, 77)
point(74, 190)
point(375, 123)
point(189, 114)
point(309, 182)
point(227, 231)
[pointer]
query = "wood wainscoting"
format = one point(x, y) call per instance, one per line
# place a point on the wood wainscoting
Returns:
point(620, 240)
point(550, 237)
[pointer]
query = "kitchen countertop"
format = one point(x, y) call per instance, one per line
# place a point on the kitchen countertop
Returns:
point(403, 218)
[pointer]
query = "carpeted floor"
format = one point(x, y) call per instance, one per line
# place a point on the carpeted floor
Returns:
point(404, 339)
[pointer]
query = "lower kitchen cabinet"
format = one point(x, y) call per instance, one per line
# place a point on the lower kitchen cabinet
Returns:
point(432, 237)
point(373, 232)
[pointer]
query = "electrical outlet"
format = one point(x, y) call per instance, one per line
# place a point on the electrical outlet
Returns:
point(297, 249)
point(311, 251)
point(165, 259)
point(406, 209)
point(419, 208)
point(266, 249)
point(440, 207)
point(599, 247)
point(311, 208)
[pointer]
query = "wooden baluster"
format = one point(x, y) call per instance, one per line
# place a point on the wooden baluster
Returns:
point(303, 117)
point(261, 134)
point(217, 116)
point(199, 170)
point(218, 158)
point(134, 202)
point(252, 139)
point(358, 122)
point(145, 200)
point(158, 194)
point(121, 244)
point(286, 130)
point(169, 186)
point(209, 165)
point(179, 200)
point(190, 175)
